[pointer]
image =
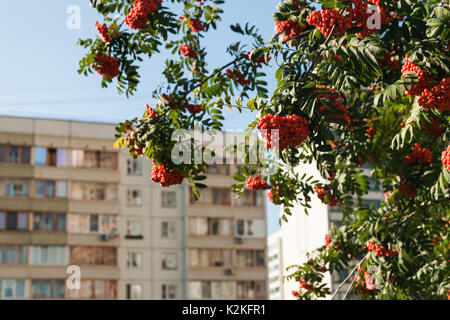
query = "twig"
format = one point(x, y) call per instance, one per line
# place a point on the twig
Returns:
point(209, 77)
point(348, 277)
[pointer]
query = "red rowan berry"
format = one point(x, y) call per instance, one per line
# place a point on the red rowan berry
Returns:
point(194, 108)
point(188, 51)
point(445, 158)
point(165, 177)
point(423, 80)
point(139, 13)
point(325, 20)
point(195, 25)
point(107, 66)
point(326, 196)
point(289, 28)
point(292, 130)
point(408, 190)
point(418, 155)
point(257, 183)
point(103, 31)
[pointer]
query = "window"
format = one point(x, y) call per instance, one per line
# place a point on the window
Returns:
point(12, 187)
point(134, 167)
point(168, 291)
point(250, 198)
point(220, 196)
point(49, 255)
point(250, 258)
point(12, 289)
point(212, 290)
point(134, 198)
point(92, 223)
point(168, 199)
point(11, 254)
point(51, 157)
point(86, 255)
point(50, 189)
point(218, 169)
point(374, 185)
point(168, 229)
point(93, 191)
point(251, 290)
point(94, 289)
point(210, 226)
point(40, 156)
point(169, 261)
point(371, 203)
point(134, 260)
point(49, 221)
point(250, 228)
point(2, 220)
point(47, 289)
point(134, 291)
point(134, 229)
point(210, 258)
point(14, 154)
point(13, 221)
point(94, 159)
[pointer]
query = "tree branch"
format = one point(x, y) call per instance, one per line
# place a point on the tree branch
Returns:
point(348, 277)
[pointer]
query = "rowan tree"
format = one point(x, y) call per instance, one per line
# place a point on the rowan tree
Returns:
point(358, 83)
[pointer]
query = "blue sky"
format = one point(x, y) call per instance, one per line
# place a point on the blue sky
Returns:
point(39, 62)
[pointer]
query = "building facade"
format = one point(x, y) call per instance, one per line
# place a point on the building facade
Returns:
point(305, 233)
point(67, 198)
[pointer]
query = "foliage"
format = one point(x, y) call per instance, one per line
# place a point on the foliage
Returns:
point(352, 90)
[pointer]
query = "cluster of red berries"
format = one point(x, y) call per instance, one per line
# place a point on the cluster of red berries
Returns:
point(436, 97)
point(408, 190)
point(165, 177)
point(307, 286)
point(418, 155)
point(360, 14)
point(390, 61)
point(327, 240)
point(326, 195)
point(445, 158)
point(363, 286)
point(107, 66)
point(289, 28)
point(325, 20)
point(194, 108)
point(436, 130)
point(281, 132)
point(257, 183)
point(103, 31)
point(372, 129)
point(188, 51)
point(260, 60)
point(423, 81)
point(234, 74)
point(274, 192)
point(380, 250)
point(138, 15)
point(195, 25)
point(151, 114)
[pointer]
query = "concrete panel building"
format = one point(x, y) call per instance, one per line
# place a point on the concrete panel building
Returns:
point(68, 198)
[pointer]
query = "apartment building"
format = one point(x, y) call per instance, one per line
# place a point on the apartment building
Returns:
point(67, 198)
point(275, 266)
point(302, 234)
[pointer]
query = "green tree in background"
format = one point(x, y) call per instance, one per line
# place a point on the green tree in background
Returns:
point(358, 83)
